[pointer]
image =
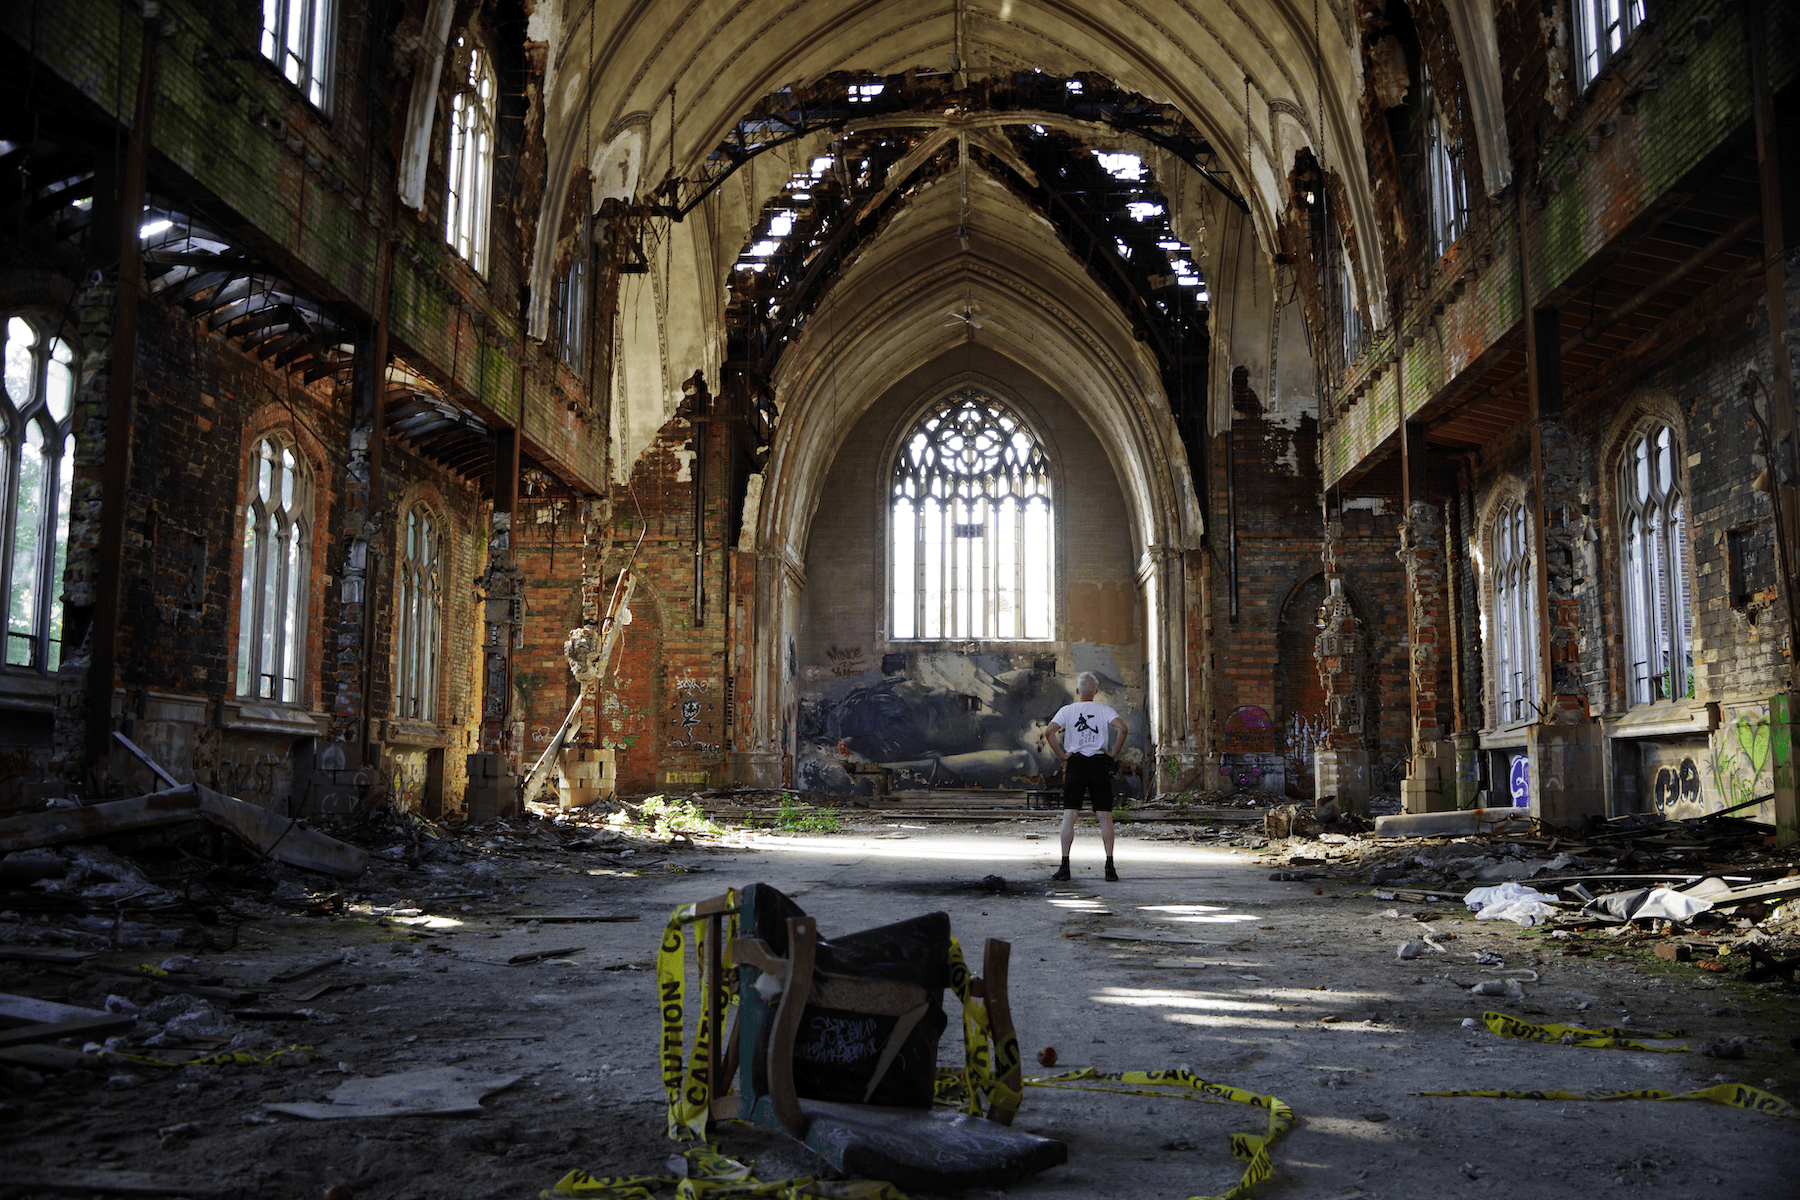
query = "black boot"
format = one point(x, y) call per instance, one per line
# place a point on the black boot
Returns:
point(1062, 872)
point(1112, 876)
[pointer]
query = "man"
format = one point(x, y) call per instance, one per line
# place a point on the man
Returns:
point(1087, 738)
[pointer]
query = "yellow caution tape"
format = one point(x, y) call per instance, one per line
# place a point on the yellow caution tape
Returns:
point(236, 1058)
point(712, 1175)
point(1570, 1035)
point(981, 1086)
point(686, 1078)
point(1735, 1094)
point(1252, 1148)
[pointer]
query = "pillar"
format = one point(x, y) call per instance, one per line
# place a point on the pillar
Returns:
point(1341, 764)
point(493, 769)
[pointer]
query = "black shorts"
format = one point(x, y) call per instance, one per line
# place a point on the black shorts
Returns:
point(1088, 775)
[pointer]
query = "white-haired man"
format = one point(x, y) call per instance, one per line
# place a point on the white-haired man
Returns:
point(1087, 737)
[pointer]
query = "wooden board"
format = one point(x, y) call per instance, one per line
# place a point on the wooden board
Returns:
point(29, 1010)
point(48, 1058)
point(61, 955)
point(570, 918)
point(1168, 939)
point(104, 1026)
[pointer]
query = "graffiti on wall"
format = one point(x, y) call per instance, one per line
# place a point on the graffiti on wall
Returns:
point(847, 662)
point(955, 720)
point(1740, 758)
point(1306, 733)
point(408, 780)
point(1676, 785)
point(1518, 780)
point(688, 706)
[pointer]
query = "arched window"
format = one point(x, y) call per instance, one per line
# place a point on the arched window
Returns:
point(1515, 616)
point(37, 456)
point(420, 617)
point(272, 594)
point(471, 173)
point(971, 525)
point(1449, 191)
point(296, 36)
point(1355, 330)
point(1658, 598)
point(1601, 27)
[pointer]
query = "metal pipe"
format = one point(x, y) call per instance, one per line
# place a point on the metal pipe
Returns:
point(120, 404)
point(1231, 530)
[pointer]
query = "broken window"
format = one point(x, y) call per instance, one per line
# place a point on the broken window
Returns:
point(420, 619)
point(972, 528)
point(1515, 616)
point(471, 176)
point(1659, 614)
point(1601, 27)
point(1449, 192)
point(35, 473)
point(1355, 331)
point(296, 37)
point(571, 307)
point(272, 595)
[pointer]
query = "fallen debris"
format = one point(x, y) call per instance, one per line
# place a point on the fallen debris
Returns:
point(281, 838)
point(438, 1091)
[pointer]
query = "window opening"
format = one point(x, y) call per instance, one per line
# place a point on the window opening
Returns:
point(1515, 616)
point(1601, 27)
point(272, 596)
point(420, 618)
point(971, 526)
point(1449, 196)
point(35, 476)
point(296, 37)
point(471, 162)
point(1658, 593)
point(1355, 331)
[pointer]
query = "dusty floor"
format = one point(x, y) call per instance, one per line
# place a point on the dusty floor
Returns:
point(1295, 990)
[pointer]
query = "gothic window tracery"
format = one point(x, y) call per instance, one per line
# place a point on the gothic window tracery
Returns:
point(1515, 615)
point(272, 589)
point(419, 621)
point(37, 455)
point(971, 525)
point(1658, 622)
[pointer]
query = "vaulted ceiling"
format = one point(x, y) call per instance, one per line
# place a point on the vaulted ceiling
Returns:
point(832, 194)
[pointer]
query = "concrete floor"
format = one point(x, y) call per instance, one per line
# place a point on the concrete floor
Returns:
point(1278, 958)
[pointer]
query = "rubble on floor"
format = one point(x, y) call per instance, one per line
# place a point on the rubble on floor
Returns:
point(1713, 890)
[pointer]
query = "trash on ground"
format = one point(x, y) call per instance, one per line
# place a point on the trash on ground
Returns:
point(437, 1091)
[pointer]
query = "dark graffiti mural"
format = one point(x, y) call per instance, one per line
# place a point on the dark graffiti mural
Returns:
point(965, 721)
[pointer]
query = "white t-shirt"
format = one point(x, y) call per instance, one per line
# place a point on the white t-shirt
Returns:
point(1086, 726)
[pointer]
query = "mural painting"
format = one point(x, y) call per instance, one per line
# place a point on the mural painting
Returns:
point(407, 779)
point(1740, 762)
point(953, 720)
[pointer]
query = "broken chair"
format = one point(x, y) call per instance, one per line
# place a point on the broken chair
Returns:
point(837, 1044)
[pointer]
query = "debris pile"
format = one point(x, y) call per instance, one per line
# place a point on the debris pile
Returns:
point(1711, 889)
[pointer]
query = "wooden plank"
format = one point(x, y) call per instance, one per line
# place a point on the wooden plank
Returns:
point(572, 918)
point(60, 955)
point(113, 1183)
point(1168, 939)
point(302, 970)
point(48, 1058)
point(55, 1031)
point(535, 955)
point(29, 1010)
